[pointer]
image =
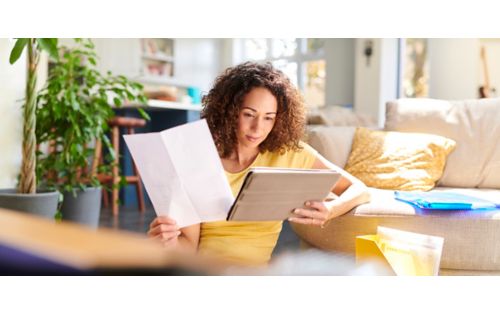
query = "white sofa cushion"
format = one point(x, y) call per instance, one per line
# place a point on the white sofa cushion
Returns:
point(334, 143)
point(473, 124)
point(333, 115)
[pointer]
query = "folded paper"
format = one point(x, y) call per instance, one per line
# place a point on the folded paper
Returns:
point(182, 173)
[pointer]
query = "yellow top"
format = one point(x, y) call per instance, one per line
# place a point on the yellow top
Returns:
point(251, 243)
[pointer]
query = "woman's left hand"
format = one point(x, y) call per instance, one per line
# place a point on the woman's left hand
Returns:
point(313, 213)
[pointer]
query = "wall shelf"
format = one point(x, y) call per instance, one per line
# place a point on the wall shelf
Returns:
point(157, 58)
point(155, 80)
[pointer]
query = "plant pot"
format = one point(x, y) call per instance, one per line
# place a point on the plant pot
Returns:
point(85, 208)
point(42, 203)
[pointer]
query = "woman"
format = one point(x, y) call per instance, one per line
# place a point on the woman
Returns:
point(257, 118)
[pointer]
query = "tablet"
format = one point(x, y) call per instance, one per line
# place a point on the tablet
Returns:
point(271, 194)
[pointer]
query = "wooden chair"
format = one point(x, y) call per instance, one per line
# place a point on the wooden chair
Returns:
point(129, 124)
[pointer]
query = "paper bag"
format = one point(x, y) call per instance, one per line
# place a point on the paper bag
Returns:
point(401, 252)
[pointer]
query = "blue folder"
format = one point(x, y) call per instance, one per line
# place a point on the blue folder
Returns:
point(443, 200)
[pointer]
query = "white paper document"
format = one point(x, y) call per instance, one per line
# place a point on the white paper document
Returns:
point(182, 173)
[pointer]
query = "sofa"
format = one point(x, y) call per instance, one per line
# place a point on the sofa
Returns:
point(471, 237)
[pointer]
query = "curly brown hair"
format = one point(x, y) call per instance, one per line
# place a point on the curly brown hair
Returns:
point(221, 107)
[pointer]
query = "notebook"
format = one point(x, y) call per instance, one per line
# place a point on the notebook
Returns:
point(270, 194)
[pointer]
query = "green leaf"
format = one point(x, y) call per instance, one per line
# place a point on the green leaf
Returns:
point(58, 216)
point(137, 85)
point(144, 114)
point(60, 198)
point(122, 183)
point(18, 49)
point(142, 99)
point(106, 141)
point(118, 92)
point(49, 45)
point(89, 44)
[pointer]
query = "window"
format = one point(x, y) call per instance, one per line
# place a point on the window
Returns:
point(301, 59)
point(415, 68)
point(256, 48)
point(314, 85)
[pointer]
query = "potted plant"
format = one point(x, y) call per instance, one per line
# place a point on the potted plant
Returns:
point(27, 197)
point(72, 111)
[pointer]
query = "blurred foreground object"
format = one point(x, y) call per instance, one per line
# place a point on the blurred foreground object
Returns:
point(314, 262)
point(404, 253)
point(31, 245)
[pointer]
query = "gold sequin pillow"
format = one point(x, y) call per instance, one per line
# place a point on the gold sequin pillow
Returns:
point(398, 161)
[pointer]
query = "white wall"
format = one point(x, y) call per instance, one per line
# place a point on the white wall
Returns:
point(388, 76)
point(12, 87)
point(198, 61)
point(231, 53)
point(493, 62)
point(118, 55)
point(376, 82)
point(121, 56)
point(339, 55)
point(454, 68)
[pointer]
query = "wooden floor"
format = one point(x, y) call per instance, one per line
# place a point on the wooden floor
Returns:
point(129, 218)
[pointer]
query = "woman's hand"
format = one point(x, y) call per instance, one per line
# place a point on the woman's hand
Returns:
point(165, 230)
point(315, 212)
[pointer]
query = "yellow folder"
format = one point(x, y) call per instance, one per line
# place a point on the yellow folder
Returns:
point(400, 252)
